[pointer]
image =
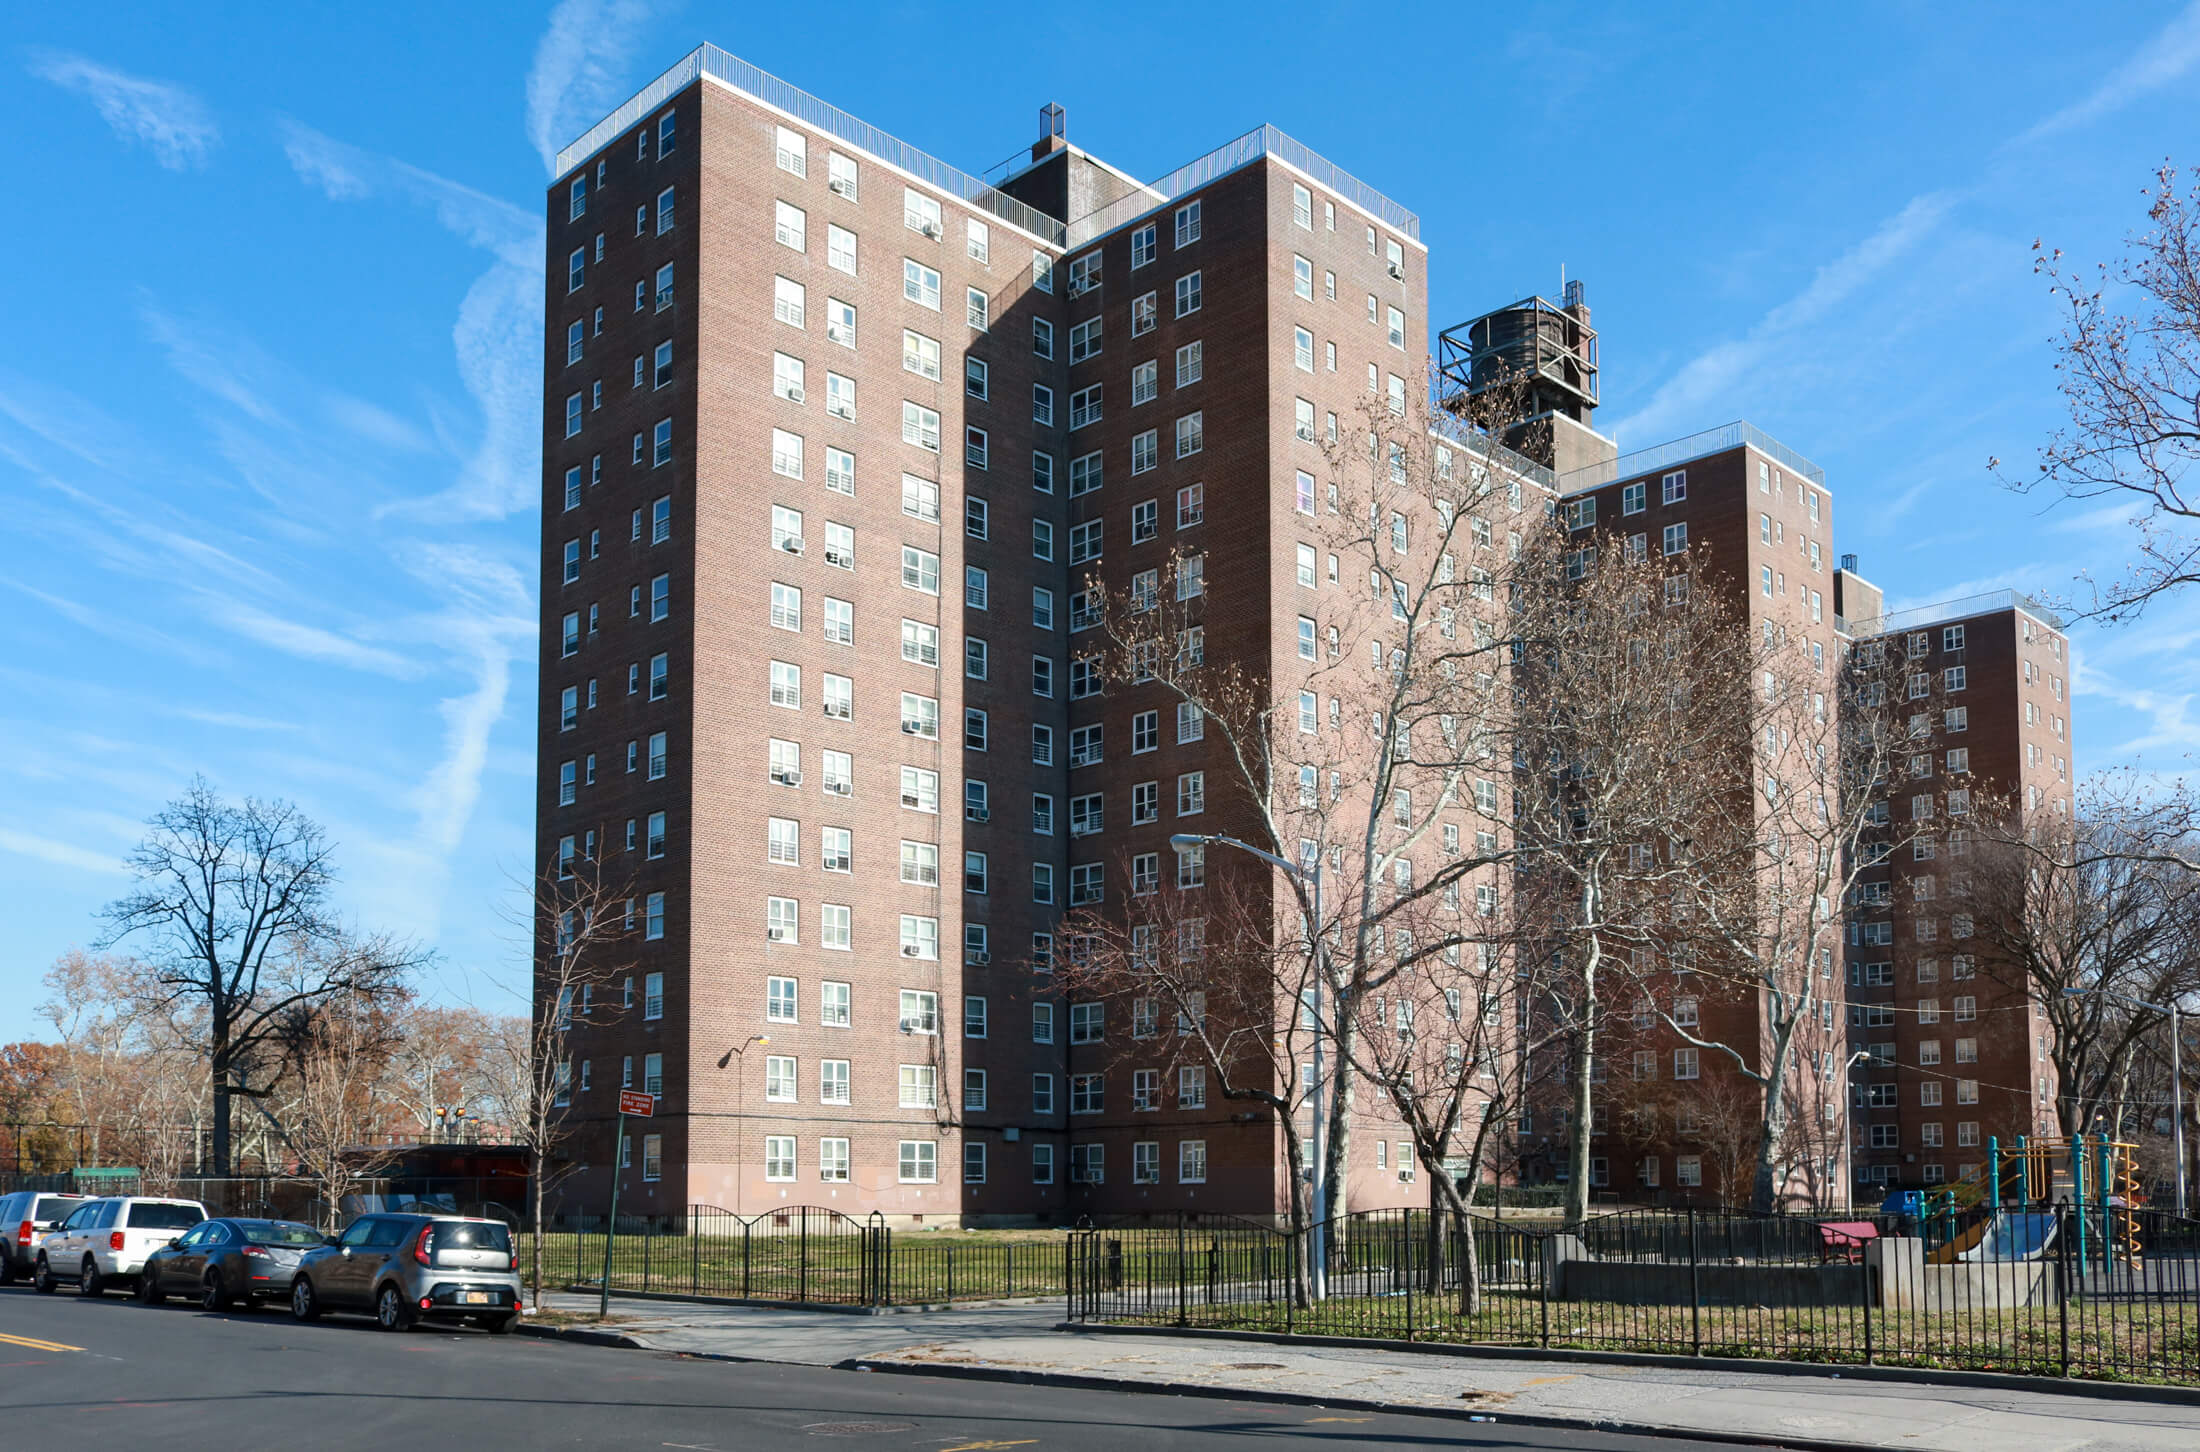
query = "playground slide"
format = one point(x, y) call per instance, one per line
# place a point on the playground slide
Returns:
point(2016, 1236)
point(1962, 1245)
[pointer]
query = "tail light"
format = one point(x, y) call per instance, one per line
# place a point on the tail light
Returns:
point(23, 1233)
point(515, 1259)
point(424, 1247)
point(114, 1241)
point(259, 1250)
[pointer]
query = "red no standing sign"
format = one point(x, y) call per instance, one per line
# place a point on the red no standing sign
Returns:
point(638, 1104)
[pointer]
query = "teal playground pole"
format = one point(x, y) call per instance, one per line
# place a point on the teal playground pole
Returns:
point(1993, 1173)
point(2101, 1173)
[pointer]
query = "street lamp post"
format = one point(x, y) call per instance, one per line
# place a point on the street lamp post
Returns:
point(2176, 1075)
point(740, 1105)
point(1312, 877)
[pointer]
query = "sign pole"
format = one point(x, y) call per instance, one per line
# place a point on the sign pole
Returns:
point(643, 1106)
point(611, 1226)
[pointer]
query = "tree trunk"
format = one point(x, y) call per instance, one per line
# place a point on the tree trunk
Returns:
point(1337, 1138)
point(1577, 1151)
point(535, 1190)
point(221, 1147)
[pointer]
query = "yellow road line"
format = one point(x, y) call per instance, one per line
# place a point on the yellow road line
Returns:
point(35, 1344)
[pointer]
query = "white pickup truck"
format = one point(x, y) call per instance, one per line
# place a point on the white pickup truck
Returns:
point(103, 1243)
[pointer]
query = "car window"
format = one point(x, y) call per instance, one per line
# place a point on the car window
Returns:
point(279, 1232)
point(109, 1212)
point(472, 1235)
point(357, 1232)
point(79, 1217)
point(389, 1232)
point(52, 1207)
point(153, 1215)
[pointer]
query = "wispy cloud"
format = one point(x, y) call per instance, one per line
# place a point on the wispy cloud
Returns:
point(497, 337)
point(2167, 56)
point(579, 72)
point(217, 364)
point(1681, 400)
point(166, 117)
point(60, 854)
point(309, 642)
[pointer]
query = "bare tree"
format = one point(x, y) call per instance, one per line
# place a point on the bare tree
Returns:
point(2089, 902)
point(231, 909)
point(1775, 867)
point(2131, 379)
point(1631, 683)
point(127, 1070)
point(439, 1075)
point(333, 1114)
point(1207, 987)
point(584, 927)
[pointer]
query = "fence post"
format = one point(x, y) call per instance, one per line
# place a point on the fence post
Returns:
point(1008, 1270)
point(2062, 1282)
point(1867, 1290)
point(1409, 1274)
point(951, 1272)
point(744, 1260)
point(1544, 1265)
point(695, 1254)
point(1695, 1287)
point(1180, 1319)
point(802, 1261)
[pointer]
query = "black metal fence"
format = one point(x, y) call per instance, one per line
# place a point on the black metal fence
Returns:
point(2111, 1293)
point(805, 1255)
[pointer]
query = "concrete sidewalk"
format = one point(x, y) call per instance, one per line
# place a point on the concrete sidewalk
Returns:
point(1718, 1399)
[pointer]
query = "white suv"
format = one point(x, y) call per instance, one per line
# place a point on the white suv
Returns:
point(104, 1242)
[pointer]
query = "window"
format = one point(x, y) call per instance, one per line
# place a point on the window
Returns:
point(1187, 224)
point(1684, 1063)
point(1674, 487)
point(1302, 349)
point(1191, 435)
point(1084, 406)
point(920, 284)
point(1190, 363)
point(779, 1072)
point(975, 310)
point(790, 227)
point(1676, 538)
point(841, 176)
point(787, 377)
point(919, 1087)
point(1145, 313)
point(787, 301)
point(977, 240)
point(919, 1162)
point(920, 213)
point(1187, 294)
point(835, 921)
point(1302, 206)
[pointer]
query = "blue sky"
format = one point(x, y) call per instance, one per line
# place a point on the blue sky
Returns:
point(268, 380)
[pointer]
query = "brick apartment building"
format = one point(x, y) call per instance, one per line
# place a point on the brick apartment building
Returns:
point(832, 433)
point(1956, 1054)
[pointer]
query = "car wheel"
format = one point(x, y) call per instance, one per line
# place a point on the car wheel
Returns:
point(149, 1292)
point(499, 1325)
point(390, 1311)
point(42, 1280)
point(214, 1295)
point(303, 1303)
point(91, 1284)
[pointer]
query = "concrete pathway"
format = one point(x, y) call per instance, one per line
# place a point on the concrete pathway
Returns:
point(1826, 1409)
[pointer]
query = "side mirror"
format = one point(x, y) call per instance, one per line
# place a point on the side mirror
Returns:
point(329, 1239)
point(176, 1244)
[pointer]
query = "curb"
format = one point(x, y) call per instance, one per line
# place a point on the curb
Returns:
point(2114, 1391)
point(1077, 1382)
point(582, 1336)
point(911, 1308)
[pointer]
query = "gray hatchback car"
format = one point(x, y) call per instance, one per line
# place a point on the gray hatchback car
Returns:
point(406, 1268)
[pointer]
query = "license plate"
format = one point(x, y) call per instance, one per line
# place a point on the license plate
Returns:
point(477, 1298)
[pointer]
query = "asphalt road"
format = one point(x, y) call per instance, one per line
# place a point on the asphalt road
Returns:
point(112, 1373)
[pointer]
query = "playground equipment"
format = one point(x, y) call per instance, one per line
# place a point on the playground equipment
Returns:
point(1988, 1216)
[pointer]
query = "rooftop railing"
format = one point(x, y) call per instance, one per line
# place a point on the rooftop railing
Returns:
point(1695, 446)
point(1948, 611)
point(1252, 146)
point(732, 71)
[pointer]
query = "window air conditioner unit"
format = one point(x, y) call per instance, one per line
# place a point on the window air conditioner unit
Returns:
point(840, 335)
point(840, 788)
point(908, 950)
point(840, 558)
point(932, 230)
point(839, 187)
point(792, 544)
point(978, 960)
point(794, 395)
point(791, 778)
point(1397, 272)
point(911, 802)
point(775, 935)
point(912, 728)
point(978, 814)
